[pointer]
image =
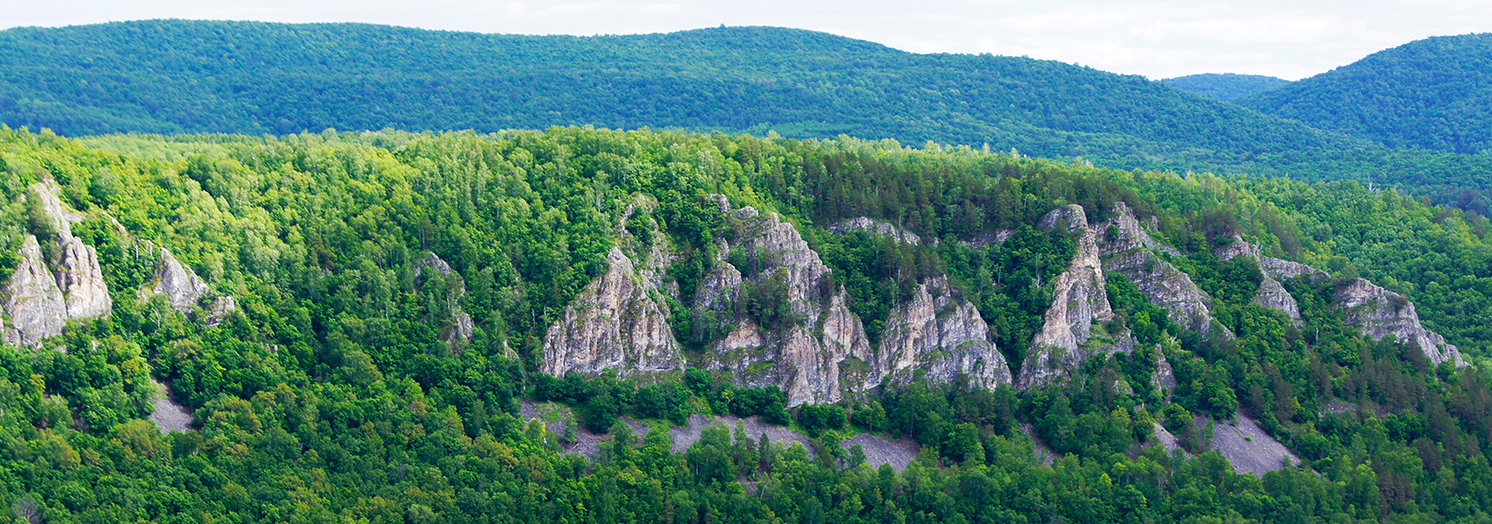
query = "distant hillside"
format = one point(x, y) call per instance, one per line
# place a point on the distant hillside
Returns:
point(1434, 93)
point(1225, 86)
point(246, 77)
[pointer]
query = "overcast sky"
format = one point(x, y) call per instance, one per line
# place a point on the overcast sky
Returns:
point(1158, 39)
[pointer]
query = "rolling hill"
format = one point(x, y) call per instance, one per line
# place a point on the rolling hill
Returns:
point(1225, 86)
point(173, 76)
point(1432, 94)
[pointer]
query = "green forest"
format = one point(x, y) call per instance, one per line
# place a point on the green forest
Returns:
point(332, 394)
point(175, 76)
point(1430, 94)
point(1226, 86)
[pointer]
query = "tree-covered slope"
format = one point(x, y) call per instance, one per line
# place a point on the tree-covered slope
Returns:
point(394, 292)
point(1432, 94)
point(243, 77)
point(1225, 86)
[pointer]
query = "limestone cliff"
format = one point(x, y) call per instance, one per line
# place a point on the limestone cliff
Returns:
point(178, 283)
point(1127, 249)
point(875, 226)
point(619, 321)
point(941, 334)
point(1271, 293)
point(803, 352)
point(1079, 301)
point(1379, 313)
point(82, 280)
point(35, 304)
point(461, 327)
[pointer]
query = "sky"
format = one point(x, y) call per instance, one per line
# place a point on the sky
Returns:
point(1157, 39)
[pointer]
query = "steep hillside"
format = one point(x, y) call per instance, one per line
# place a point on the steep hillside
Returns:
point(353, 323)
point(1433, 94)
point(1225, 86)
point(255, 78)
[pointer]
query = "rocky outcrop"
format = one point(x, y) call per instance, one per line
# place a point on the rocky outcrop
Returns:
point(59, 217)
point(878, 227)
point(1165, 375)
point(220, 309)
point(82, 280)
point(1379, 313)
point(461, 327)
point(1127, 249)
point(35, 304)
point(805, 351)
point(942, 335)
point(181, 286)
point(1271, 293)
point(619, 321)
point(1079, 302)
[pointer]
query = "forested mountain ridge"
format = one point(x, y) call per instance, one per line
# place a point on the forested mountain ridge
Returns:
point(1226, 86)
point(243, 77)
point(1430, 94)
point(354, 319)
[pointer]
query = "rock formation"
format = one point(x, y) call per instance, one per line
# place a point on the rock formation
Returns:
point(1271, 293)
point(36, 306)
point(1128, 250)
point(81, 278)
point(178, 283)
point(59, 217)
point(619, 321)
point(804, 354)
point(941, 334)
point(1379, 313)
point(1079, 301)
point(875, 226)
point(462, 327)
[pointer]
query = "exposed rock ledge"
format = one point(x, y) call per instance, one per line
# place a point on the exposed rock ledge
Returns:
point(942, 334)
point(619, 321)
point(805, 354)
point(1271, 293)
point(1079, 301)
point(1126, 248)
point(37, 309)
point(875, 226)
point(1379, 313)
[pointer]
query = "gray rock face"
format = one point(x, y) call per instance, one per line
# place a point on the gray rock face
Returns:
point(1379, 313)
point(619, 321)
point(941, 334)
point(805, 353)
point(60, 217)
point(220, 309)
point(35, 304)
point(461, 328)
point(1271, 293)
point(83, 281)
point(1127, 249)
point(875, 226)
point(1079, 301)
point(179, 283)
point(1165, 375)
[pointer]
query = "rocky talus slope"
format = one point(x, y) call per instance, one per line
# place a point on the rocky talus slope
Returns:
point(619, 321)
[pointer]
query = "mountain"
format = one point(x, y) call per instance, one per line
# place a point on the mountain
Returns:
point(1429, 94)
point(173, 76)
point(565, 325)
point(1225, 86)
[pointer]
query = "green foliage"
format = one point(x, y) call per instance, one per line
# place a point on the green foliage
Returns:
point(1226, 86)
point(330, 394)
